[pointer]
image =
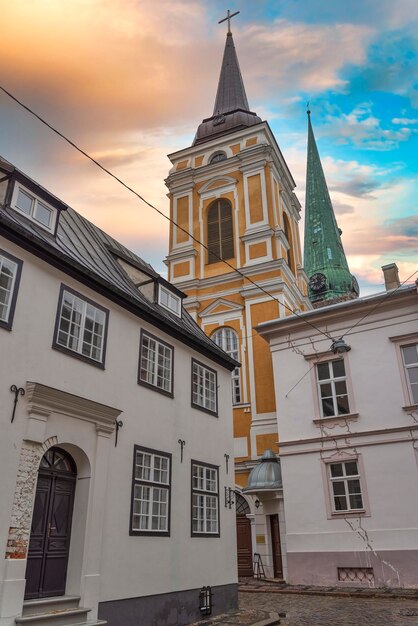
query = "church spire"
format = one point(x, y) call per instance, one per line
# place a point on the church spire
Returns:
point(324, 258)
point(231, 92)
point(231, 111)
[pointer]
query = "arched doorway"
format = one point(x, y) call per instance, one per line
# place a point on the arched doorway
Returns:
point(49, 544)
point(244, 544)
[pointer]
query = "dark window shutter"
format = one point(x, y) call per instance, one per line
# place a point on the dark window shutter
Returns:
point(289, 258)
point(220, 232)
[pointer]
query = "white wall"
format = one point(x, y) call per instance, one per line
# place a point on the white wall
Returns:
point(380, 432)
point(130, 566)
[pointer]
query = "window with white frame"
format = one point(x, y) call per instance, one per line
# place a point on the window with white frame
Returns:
point(10, 270)
point(151, 484)
point(227, 339)
point(156, 363)
point(205, 500)
point(345, 485)
point(81, 326)
point(169, 300)
point(332, 388)
point(204, 387)
point(34, 208)
point(410, 361)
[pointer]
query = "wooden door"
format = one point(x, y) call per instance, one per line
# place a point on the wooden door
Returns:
point(49, 544)
point(244, 546)
point(276, 548)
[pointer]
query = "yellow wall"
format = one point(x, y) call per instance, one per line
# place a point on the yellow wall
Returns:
point(263, 368)
point(181, 269)
point(241, 478)
point(182, 219)
point(254, 198)
point(257, 250)
point(265, 442)
point(260, 369)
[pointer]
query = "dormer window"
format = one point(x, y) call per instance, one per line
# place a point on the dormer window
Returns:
point(169, 300)
point(35, 209)
point(218, 156)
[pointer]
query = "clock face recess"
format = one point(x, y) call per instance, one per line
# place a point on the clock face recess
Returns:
point(317, 281)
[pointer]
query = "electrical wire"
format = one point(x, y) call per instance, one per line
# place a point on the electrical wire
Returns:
point(386, 297)
point(140, 197)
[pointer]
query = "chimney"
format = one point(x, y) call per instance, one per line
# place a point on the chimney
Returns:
point(391, 274)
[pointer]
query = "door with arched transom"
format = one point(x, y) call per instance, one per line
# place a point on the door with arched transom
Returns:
point(49, 545)
point(244, 543)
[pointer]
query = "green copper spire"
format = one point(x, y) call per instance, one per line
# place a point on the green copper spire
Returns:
point(324, 258)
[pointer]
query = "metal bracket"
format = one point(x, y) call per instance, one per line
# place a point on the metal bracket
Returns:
point(229, 497)
point(119, 425)
point(226, 461)
point(18, 391)
point(182, 444)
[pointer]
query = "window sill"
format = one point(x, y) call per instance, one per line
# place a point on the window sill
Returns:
point(411, 408)
point(142, 383)
point(204, 409)
point(336, 419)
point(77, 355)
point(350, 514)
point(149, 533)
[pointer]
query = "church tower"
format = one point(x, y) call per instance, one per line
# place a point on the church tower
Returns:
point(325, 262)
point(233, 191)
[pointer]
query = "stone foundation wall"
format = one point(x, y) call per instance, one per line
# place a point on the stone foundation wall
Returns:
point(175, 609)
point(391, 568)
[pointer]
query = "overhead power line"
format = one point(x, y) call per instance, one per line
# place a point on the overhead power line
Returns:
point(154, 208)
point(384, 299)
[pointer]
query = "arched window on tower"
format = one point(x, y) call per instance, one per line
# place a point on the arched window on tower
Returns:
point(227, 339)
point(220, 232)
point(218, 156)
point(288, 233)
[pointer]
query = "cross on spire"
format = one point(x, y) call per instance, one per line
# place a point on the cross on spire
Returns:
point(228, 17)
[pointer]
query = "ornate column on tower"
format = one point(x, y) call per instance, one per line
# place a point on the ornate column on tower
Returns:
point(233, 191)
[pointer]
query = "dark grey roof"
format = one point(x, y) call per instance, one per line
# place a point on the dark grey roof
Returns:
point(231, 111)
point(85, 251)
point(231, 92)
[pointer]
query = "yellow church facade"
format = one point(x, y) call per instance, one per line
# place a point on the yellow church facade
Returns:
point(233, 206)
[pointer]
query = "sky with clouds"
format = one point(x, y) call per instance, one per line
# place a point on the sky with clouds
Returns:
point(130, 80)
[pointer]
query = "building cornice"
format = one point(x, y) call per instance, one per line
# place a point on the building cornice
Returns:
point(337, 312)
point(44, 400)
point(270, 149)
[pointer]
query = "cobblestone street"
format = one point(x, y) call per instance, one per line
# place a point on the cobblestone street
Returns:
point(309, 610)
point(261, 608)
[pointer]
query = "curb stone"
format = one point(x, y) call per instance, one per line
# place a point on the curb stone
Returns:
point(246, 619)
point(323, 592)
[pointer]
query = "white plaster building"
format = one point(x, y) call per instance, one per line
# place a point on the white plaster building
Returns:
point(113, 457)
point(348, 425)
